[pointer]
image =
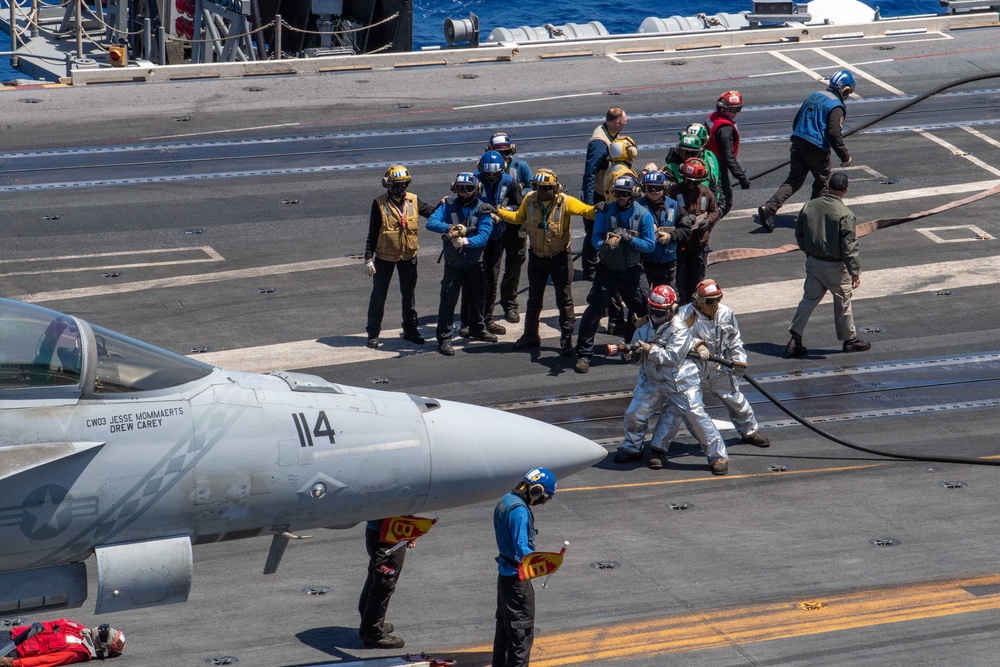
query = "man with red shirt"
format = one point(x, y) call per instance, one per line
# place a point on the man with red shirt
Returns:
point(724, 141)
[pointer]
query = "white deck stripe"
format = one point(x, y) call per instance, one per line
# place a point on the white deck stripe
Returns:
point(976, 133)
point(797, 65)
point(212, 256)
point(767, 297)
point(857, 72)
point(959, 152)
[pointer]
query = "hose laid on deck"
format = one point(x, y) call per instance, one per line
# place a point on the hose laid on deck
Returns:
point(840, 441)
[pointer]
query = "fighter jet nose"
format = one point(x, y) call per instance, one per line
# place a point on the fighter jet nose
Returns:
point(480, 454)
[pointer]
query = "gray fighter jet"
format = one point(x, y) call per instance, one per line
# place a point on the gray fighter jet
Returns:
point(113, 447)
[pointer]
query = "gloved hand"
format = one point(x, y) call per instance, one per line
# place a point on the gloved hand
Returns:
point(460, 230)
point(642, 347)
point(6, 662)
point(702, 351)
point(370, 265)
point(601, 206)
point(739, 368)
point(612, 240)
point(687, 221)
point(744, 183)
point(847, 162)
point(459, 242)
point(664, 235)
point(487, 208)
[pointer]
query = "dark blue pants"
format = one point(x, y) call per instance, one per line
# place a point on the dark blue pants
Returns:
point(471, 280)
point(383, 572)
point(515, 630)
point(380, 292)
point(631, 284)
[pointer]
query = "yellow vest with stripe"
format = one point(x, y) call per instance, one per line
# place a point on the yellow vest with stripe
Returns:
point(396, 241)
point(547, 236)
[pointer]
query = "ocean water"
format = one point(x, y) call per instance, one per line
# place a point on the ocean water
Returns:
point(619, 17)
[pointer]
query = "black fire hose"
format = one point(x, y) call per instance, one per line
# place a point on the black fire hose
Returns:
point(10, 646)
point(901, 107)
point(840, 441)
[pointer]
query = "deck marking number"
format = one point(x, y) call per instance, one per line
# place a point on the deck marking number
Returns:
point(321, 429)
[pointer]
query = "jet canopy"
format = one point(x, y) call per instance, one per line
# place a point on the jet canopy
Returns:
point(43, 348)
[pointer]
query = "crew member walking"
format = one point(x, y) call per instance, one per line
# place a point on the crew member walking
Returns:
point(392, 244)
point(816, 129)
point(824, 231)
point(514, 525)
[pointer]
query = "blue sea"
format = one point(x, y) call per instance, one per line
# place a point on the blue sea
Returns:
point(619, 17)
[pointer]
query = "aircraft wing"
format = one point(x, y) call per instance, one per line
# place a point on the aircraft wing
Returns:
point(16, 459)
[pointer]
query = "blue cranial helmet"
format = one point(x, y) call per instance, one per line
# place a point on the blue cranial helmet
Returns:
point(491, 166)
point(540, 484)
point(624, 184)
point(654, 177)
point(842, 82)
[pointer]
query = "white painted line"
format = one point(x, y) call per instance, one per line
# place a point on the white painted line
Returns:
point(797, 65)
point(976, 133)
point(207, 132)
point(977, 234)
point(766, 297)
point(959, 152)
point(857, 72)
point(212, 256)
point(902, 195)
point(536, 99)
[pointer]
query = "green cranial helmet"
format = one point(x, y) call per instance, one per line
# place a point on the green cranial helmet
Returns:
point(698, 130)
point(690, 146)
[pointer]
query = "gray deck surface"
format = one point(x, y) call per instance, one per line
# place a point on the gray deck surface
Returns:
point(715, 584)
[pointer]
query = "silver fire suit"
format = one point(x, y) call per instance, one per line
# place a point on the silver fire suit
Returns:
point(722, 336)
point(667, 376)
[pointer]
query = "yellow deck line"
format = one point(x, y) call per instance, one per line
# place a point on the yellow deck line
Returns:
point(717, 479)
point(731, 626)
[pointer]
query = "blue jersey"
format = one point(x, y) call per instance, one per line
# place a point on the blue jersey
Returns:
point(812, 120)
point(514, 525)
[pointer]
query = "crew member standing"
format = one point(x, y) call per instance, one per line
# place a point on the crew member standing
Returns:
point(383, 573)
point(698, 216)
point(659, 265)
point(515, 237)
point(514, 525)
point(464, 230)
point(668, 380)
point(724, 142)
point(824, 231)
point(622, 233)
point(714, 323)
point(545, 214)
point(392, 244)
point(816, 129)
point(593, 179)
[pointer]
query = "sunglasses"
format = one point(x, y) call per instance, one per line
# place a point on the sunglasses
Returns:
point(654, 188)
point(622, 194)
point(545, 188)
point(466, 188)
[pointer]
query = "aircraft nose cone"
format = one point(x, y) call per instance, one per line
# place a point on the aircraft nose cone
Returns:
point(480, 454)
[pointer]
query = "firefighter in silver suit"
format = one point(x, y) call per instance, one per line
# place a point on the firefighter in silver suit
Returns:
point(668, 379)
point(714, 323)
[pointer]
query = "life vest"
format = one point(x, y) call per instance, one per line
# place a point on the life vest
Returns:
point(717, 120)
point(663, 217)
point(601, 134)
point(813, 117)
point(399, 237)
point(548, 235)
point(502, 199)
point(58, 635)
point(623, 256)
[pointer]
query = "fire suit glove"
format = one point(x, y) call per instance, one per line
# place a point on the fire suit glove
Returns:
point(601, 206)
point(487, 208)
point(370, 265)
point(459, 242)
point(739, 368)
point(6, 662)
point(702, 351)
point(744, 183)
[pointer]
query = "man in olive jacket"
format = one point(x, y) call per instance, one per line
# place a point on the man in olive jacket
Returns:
point(824, 231)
